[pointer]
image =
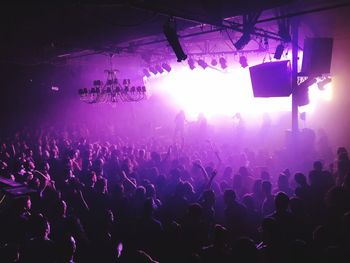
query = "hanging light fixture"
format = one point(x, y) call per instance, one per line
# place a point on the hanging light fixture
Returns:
point(243, 61)
point(223, 62)
point(214, 62)
point(202, 63)
point(112, 91)
point(146, 73)
point(153, 70)
point(166, 66)
point(279, 51)
point(159, 69)
point(191, 64)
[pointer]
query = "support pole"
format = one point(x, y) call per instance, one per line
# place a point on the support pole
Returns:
point(295, 37)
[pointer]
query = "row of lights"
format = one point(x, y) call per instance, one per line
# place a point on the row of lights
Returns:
point(303, 88)
point(157, 69)
point(204, 65)
point(222, 61)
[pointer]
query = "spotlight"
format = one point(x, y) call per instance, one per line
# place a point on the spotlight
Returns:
point(214, 62)
point(202, 63)
point(321, 85)
point(279, 51)
point(166, 66)
point(173, 39)
point(191, 64)
point(159, 69)
point(243, 61)
point(307, 83)
point(303, 97)
point(222, 62)
point(153, 70)
point(244, 40)
point(302, 91)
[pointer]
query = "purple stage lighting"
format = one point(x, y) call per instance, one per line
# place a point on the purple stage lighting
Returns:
point(302, 91)
point(243, 61)
point(170, 33)
point(214, 62)
point(181, 90)
point(146, 73)
point(153, 70)
point(191, 64)
point(321, 85)
point(159, 69)
point(222, 62)
point(202, 63)
point(166, 66)
point(279, 51)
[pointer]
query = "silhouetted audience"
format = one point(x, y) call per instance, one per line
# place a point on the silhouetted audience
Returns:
point(123, 200)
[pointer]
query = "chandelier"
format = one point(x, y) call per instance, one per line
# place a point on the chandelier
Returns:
point(112, 90)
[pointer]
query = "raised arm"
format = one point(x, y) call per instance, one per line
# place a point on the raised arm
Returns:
point(125, 179)
point(216, 152)
point(213, 174)
point(204, 172)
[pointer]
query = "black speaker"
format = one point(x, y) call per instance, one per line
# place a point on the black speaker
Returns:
point(317, 56)
point(271, 79)
point(173, 39)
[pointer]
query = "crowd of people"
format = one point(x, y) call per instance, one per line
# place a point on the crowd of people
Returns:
point(119, 200)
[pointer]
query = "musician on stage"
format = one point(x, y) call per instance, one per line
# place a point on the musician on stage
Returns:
point(180, 120)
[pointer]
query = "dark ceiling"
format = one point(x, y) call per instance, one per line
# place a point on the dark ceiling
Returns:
point(40, 30)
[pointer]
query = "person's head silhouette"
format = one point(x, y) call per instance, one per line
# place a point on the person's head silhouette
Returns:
point(281, 202)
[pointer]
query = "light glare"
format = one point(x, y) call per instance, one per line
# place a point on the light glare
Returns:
point(217, 94)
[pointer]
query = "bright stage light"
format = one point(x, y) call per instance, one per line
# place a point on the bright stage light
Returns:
point(146, 73)
point(243, 61)
point(202, 63)
point(191, 64)
point(159, 69)
point(223, 63)
point(222, 94)
point(166, 66)
point(316, 96)
point(214, 93)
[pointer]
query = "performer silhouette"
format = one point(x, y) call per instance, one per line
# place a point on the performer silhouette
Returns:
point(239, 129)
point(202, 124)
point(180, 120)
